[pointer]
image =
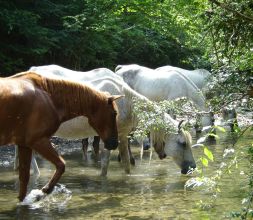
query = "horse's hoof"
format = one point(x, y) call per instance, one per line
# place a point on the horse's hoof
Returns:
point(132, 161)
point(127, 171)
point(47, 190)
point(21, 198)
point(119, 158)
point(103, 174)
point(146, 147)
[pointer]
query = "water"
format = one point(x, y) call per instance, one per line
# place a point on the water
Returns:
point(154, 190)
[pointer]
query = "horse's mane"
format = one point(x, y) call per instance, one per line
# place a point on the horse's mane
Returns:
point(71, 94)
point(127, 90)
point(188, 137)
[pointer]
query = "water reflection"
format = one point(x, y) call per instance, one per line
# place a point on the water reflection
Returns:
point(154, 189)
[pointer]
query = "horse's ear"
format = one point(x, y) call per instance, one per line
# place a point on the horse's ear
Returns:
point(180, 125)
point(118, 68)
point(114, 97)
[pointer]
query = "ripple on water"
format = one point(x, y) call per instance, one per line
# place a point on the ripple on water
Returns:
point(57, 199)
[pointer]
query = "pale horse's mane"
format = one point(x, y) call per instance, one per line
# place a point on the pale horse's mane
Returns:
point(158, 136)
point(124, 88)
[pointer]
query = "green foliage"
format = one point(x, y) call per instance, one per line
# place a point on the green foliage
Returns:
point(84, 34)
point(149, 115)
point(229, 25)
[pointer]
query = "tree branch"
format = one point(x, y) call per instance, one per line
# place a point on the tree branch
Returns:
point(222, 5)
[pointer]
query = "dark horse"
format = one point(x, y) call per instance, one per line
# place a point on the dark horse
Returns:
point(34, 106)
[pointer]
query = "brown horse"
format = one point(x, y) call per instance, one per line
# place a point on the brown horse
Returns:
point(32, 109)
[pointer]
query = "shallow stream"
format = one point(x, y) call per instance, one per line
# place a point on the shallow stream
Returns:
point(154, 190)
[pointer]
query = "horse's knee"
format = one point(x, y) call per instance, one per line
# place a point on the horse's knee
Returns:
point(60, 167)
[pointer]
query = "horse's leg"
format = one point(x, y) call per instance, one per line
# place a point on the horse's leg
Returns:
point(151, 146)
point(142, 148)
point(105, 159)
point(132, 160)
point(45, 149)
point(35, 167)
point(85, 144)
point(25, 155)
point(16, 159)
point(96, 147)
point(124, 154)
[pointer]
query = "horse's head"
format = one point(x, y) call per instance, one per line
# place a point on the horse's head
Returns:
point(128, 73)
point(157, 139)
point(207, 119)
point(178, 146)
point(105, 122)
point(229, 113)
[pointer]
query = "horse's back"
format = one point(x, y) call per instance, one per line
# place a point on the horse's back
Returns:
point(155, 85)
point(23, 107)
point(198, 76)
point(59, 71)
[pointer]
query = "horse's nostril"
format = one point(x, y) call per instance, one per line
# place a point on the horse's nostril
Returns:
point(184, 171)
point(162, 156)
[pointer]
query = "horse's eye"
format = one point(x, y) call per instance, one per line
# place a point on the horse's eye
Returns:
point(183, 143)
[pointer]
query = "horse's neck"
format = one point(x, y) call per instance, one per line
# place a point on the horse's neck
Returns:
point(195, 93)
point(73, 100)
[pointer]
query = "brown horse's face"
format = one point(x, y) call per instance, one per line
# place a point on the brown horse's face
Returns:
point(105, 123)
point(159, 149)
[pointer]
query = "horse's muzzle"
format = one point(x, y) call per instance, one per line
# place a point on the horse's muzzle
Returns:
point(162, 155)
point(187, 166)
point(111, 144)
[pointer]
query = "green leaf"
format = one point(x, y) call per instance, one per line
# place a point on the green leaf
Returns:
point(204, 161)
point(208, 153)
point(220, 128)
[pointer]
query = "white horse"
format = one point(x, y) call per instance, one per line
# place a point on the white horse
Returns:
point(177, 145)
point(59, 71)
point(164, 85)
point(199, 76)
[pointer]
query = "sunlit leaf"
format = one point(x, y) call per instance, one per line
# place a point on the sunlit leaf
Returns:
point(204, 161)
point(220, 128)
point(208, 153)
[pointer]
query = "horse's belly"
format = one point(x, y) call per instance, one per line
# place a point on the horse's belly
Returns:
point(154, 94)
point(76, 128)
